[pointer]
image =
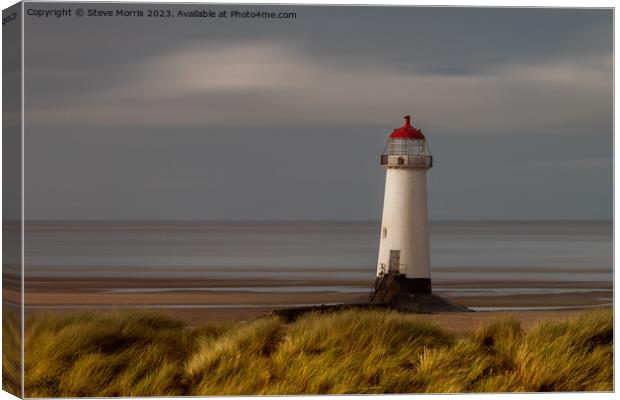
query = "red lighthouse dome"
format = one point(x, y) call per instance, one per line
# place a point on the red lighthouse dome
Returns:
point(407, 148)
point(407, 131)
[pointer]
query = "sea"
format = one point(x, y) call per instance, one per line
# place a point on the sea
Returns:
point(472, 251)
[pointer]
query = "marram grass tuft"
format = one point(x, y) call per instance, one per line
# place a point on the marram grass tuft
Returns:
point(132, 353)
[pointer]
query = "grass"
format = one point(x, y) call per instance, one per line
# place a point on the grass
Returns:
point(11, 350)
point(131, 353)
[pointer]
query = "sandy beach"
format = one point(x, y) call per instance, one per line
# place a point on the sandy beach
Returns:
point(199, 300)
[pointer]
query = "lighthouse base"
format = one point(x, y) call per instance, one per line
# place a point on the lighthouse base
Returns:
point(397, 291)
point(392, 283)
point(414, 285)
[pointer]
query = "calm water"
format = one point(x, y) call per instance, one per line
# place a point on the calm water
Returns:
point(510, 251)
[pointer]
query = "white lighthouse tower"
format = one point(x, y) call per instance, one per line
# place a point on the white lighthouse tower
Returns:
point(404, 254)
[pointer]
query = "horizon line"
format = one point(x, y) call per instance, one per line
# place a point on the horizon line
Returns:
point(280, 220)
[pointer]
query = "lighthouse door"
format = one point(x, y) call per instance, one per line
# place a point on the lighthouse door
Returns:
point(394, 260)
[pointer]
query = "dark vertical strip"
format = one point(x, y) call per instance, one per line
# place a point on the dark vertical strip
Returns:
point(12, 271)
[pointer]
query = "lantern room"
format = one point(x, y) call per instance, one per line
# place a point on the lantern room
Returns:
point(406, 147)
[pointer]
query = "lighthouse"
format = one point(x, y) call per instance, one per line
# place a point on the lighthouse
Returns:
point(404, 255)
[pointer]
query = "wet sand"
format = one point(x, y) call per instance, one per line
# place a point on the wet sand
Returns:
point(199, 300)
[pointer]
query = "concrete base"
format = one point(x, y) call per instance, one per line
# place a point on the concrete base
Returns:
point(402, 294)
point(423, 303)
point(413, 302)
point(398, 292)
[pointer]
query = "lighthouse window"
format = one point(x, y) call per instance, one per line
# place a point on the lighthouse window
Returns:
point(384, 231)
point(405, 147)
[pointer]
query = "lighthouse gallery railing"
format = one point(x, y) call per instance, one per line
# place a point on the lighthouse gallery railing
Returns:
point(424, 161)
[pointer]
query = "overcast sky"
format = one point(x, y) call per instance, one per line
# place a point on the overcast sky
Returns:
point(142, 118)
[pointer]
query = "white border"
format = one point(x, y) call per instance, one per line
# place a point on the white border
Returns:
point(444, 3)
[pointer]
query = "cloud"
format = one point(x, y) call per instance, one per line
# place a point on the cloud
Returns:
point(591, 72)
point(274, 83)
point(580, 164)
